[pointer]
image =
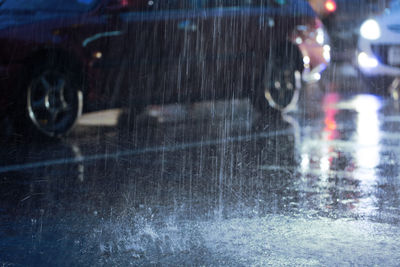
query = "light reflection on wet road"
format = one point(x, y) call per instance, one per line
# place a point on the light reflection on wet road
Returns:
point(212, 184)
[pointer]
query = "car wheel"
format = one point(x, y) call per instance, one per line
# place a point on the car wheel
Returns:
point(52, 102)
point(281, 81)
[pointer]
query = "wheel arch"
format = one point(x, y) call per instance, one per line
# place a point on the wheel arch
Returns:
point(56, 56)
point(284, 48)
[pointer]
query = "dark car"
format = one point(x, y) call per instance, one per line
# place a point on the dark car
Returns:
point(59, 58)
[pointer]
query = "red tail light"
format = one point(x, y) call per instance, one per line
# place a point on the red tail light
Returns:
point(330, 6)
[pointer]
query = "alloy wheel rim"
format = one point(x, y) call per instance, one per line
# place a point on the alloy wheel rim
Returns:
point(53, 106)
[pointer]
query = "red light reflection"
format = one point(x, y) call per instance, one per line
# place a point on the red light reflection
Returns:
point(330, 6)
point(330, 110)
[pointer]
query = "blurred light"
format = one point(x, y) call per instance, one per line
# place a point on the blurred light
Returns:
point(330, 124)
point(330, 6)
point(330, 109)
point(306, 60)
point(98, 55)
point(394, 88)
point(271, 22)
point(325, 163)
point(366, 61)
point(280, 2)
point(370, 30)
point(317, 76)
point(299, 40)
point(305, 162)
point(320, 36)
point(327, 53)
point(368, 136)
point(367, 153)
point(366, 104)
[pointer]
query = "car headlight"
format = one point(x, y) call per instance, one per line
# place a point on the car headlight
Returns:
point(370, 30)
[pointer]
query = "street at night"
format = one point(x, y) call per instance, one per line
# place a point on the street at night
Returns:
point(212, 183)
point(199, 133)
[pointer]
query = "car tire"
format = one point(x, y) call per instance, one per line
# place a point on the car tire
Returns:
point(50, 102)
point(281, 81)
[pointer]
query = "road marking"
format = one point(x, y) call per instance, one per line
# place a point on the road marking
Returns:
point(125, 153)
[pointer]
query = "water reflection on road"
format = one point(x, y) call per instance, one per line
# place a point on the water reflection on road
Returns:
point(210, 184)
point(344, 157)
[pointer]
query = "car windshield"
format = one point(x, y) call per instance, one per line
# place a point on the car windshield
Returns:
point(47, 5)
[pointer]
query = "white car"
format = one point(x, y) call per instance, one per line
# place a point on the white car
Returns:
point(378, 52)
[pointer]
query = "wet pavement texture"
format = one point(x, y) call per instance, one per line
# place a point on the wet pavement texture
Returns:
point(213, 184)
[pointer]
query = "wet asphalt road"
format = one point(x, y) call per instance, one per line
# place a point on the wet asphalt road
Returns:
point(213, 184)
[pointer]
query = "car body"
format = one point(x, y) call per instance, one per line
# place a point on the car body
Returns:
point(378, 52)
point(59, 59)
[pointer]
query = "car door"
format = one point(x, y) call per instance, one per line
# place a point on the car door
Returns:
point(157, 53)
point(138, 52)
point(118, 42)
point(238, 35)
point(177, 32)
